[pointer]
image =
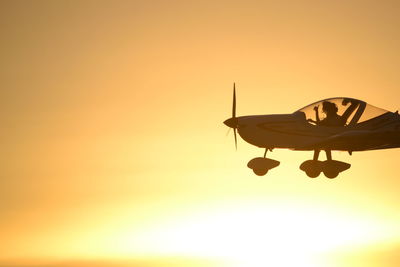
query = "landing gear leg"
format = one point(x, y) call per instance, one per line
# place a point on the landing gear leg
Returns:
point(328, 154)
point(316, 154)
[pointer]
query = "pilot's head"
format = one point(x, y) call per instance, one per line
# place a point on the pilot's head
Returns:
point(329, 107)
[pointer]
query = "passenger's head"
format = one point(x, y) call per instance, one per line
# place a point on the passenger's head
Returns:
point(329, 107)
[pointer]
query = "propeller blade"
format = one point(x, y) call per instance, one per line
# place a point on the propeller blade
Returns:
point(227, 133)
point(234, 102)
point(234, 132)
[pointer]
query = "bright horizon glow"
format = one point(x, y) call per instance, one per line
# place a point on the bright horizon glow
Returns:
point(255, 234)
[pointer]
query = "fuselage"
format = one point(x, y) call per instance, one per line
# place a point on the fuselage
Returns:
point(293, 131)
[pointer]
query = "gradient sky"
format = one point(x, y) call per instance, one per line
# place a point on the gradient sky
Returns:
point(113, 144)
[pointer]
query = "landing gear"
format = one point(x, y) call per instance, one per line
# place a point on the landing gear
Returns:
point(313, 173)
point(261, 166)
point(330, 168)
point(260, 171)
point(331, 173)
point(312, 168)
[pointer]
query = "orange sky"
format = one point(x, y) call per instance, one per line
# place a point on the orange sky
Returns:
point(113, 144)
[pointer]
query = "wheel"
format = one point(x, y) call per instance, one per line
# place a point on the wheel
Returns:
point(313, 173)
point(331, 169)
point(331, 174)
point(311, 167)
point(260, 171)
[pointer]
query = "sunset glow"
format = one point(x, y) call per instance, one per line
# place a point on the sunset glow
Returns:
point(114, 148)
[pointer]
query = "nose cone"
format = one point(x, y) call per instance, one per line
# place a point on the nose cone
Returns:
point(231, 122)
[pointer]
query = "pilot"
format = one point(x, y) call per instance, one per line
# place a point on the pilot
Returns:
point(332, 118)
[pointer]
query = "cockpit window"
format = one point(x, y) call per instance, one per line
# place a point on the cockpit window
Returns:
point(339, 112)
point(334, 112)
point(371, 112)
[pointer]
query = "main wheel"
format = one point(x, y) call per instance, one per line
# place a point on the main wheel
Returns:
point(331, 174)
point(260, 171)
point(313, 173)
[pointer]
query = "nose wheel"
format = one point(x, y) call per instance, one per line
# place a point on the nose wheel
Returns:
point(262, 165)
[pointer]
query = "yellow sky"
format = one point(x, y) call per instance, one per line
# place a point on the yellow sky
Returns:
point(113, 144)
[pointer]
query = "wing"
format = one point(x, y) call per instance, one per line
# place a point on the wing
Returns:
point(357, 141)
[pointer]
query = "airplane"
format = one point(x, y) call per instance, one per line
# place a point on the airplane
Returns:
point(333, 124)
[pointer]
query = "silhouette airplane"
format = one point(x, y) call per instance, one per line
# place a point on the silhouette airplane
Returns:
point(345, 124)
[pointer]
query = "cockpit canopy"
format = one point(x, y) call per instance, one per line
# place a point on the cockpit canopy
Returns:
point(349, 111)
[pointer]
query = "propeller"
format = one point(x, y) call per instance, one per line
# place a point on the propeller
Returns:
point(227, 132)
point(234, 102)
point(232, 122)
